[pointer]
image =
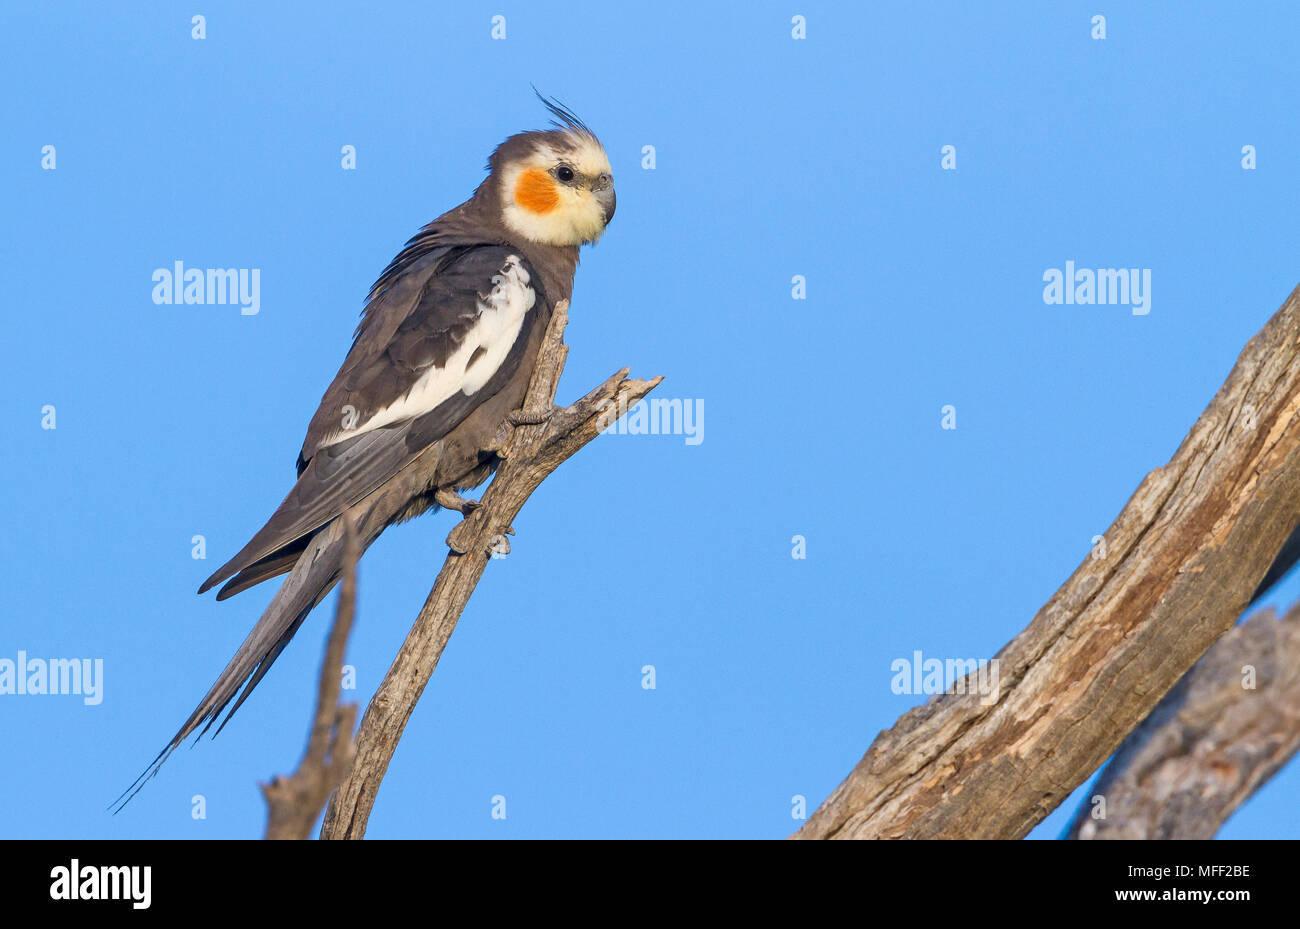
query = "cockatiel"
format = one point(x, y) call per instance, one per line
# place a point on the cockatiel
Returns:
point(440, 361)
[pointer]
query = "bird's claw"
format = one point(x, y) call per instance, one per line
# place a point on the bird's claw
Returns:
point(528, 417)
point(497, 547)
point(449, 499)
point(500, 441)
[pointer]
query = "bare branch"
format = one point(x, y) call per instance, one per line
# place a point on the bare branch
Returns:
point(294, 802)
point(1214, 740)
point(1173, 573)
point(531, 452)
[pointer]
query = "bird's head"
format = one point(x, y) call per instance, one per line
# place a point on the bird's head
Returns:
point(556, 186)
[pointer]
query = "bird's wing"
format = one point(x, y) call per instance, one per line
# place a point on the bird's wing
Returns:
point(444, 337)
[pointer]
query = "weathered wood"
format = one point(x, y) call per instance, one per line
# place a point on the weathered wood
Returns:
point(531, 452)
point(1228, 726)
point(1176, 569)
point(294, 802)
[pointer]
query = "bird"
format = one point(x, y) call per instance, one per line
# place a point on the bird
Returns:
point(439, 365)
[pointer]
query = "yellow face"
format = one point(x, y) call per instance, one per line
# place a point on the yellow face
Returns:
point(560, 196)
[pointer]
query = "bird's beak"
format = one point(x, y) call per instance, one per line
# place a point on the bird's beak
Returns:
point(606, 198)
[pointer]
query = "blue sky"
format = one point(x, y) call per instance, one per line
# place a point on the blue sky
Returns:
point(775, 157)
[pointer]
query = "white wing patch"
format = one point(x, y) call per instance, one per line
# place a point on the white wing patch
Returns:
point(501, 315)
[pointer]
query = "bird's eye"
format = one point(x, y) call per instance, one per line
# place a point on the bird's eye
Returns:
point(564, 173)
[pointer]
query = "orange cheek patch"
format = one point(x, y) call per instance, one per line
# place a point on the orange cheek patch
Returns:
point(535, 191)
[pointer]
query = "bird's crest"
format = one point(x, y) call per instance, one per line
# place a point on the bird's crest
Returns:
point(565, 119)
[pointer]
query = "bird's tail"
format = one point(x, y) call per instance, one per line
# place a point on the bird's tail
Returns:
point(313, 575)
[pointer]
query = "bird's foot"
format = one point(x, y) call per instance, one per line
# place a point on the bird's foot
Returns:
point(448, 498)
point(499, 445)
point(460, 542)
point(499, 442)
point(528, 417)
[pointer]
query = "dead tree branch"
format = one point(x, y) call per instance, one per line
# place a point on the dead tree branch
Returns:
point(1214, 740)
point(294, 802)
point(547, 436)
point(1172, 574)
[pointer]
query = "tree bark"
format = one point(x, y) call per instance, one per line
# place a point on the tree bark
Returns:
point(531, 452)
point(1216, 738)
point(1170, 577)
